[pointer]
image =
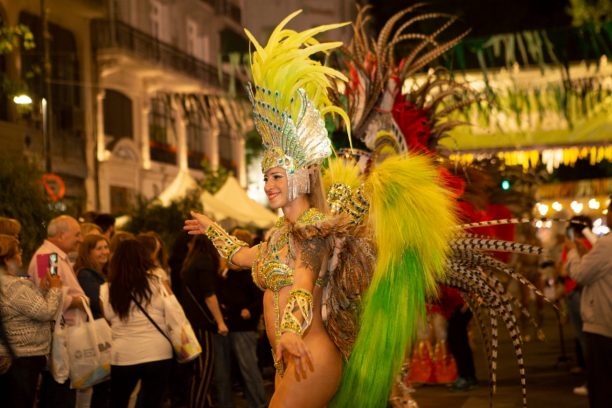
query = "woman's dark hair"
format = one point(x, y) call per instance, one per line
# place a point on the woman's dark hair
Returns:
point(83, 258)
point(128, 276)
point(117, 238)
point(201, 246)
point(150, 239)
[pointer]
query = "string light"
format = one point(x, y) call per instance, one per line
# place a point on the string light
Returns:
point(557, 206)
point(576, 207)
point(594, 204)
point(542, 209)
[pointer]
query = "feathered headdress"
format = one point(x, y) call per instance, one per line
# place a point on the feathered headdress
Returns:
point(290, 99)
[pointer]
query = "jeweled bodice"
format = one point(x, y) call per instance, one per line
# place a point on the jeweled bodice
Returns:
point(273, 268)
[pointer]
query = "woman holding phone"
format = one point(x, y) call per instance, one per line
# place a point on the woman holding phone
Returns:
point(26, 312)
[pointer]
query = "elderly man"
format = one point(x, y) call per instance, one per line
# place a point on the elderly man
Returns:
point(593, 271)
point(63, 237)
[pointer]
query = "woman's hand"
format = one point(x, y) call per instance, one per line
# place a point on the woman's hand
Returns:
point(54, 281)
point(198, 224)
point(245, 314)
point(222, 328)
point(293, 346)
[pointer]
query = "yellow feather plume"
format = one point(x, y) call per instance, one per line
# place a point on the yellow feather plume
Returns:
point(284, 65)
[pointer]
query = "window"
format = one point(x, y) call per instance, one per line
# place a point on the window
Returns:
point(226, 149)
point(197, 130)
point(162, 136)
point(158, 18)
point(118, 121)
point(192, 37)
point(67, 115)
point(155, 18)
point(205, 48)
point(122, 199)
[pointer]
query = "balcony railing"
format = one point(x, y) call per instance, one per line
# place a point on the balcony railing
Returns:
point(143, 46)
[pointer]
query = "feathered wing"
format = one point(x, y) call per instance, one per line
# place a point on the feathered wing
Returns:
point(411, 218)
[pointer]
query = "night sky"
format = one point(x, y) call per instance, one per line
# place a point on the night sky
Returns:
point(487, 17)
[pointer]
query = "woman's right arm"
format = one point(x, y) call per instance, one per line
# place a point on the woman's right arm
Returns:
point(229, 247)
point(31, 302)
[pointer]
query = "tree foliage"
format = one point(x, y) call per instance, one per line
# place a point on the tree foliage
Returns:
point(590, 12)
point(213, 180)
point(12, 38)
point(167, 221)
point(22, 197)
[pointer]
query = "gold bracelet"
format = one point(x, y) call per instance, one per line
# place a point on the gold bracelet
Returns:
point(227, 245)
point(300, 302)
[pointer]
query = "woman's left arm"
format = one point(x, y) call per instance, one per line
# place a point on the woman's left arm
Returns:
point(298, 313)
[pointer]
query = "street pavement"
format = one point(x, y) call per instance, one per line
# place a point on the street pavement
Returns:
point(549, 383)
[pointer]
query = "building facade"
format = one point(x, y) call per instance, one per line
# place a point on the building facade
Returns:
point(136, 94)
point(71, 124)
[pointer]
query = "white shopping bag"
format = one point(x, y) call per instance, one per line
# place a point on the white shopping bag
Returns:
point(179, 330)
point(58, 360)
point(89, 351)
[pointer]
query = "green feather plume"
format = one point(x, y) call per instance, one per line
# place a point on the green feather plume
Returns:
point(412, 217)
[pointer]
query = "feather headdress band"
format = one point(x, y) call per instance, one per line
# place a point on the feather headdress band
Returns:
point(290, 99)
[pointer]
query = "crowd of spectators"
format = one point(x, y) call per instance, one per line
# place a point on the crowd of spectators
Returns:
point(120, 275)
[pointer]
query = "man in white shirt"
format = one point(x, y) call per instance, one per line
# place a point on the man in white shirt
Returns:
point(593, 271)
point(63, 237)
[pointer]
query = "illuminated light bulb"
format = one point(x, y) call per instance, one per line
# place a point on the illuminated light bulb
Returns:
point(22, 99)
point(594, 204)
point(557, 206)
point(577, 207)
point(605, 212)
point(542, 209)
point(539, 224)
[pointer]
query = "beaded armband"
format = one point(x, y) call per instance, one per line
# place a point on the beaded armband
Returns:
point(226, 244)
point(299, 304)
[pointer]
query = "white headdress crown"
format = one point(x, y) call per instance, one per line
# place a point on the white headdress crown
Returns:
point(289, 97)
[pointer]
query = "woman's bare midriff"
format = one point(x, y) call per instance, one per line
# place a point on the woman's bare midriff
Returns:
point(327, 360)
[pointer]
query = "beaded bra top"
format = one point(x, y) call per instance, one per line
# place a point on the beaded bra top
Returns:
point(273, 267)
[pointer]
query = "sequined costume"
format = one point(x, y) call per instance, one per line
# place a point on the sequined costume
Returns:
point(274, 266)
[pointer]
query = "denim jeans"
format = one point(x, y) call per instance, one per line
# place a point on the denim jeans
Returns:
point(573, 308)
point(244, 346)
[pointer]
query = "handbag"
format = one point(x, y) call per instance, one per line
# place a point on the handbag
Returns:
point(89, 351)
point(180, 334)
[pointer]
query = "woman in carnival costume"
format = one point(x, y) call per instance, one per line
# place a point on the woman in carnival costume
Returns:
point(367, 255)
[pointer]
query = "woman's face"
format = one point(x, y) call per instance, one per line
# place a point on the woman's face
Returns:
point(99, 254)
point(276, 187)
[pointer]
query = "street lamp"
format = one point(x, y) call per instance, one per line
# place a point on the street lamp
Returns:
point(25, 100)
point(22, 99)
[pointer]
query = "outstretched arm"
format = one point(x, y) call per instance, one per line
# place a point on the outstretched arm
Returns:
point(229, 247)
